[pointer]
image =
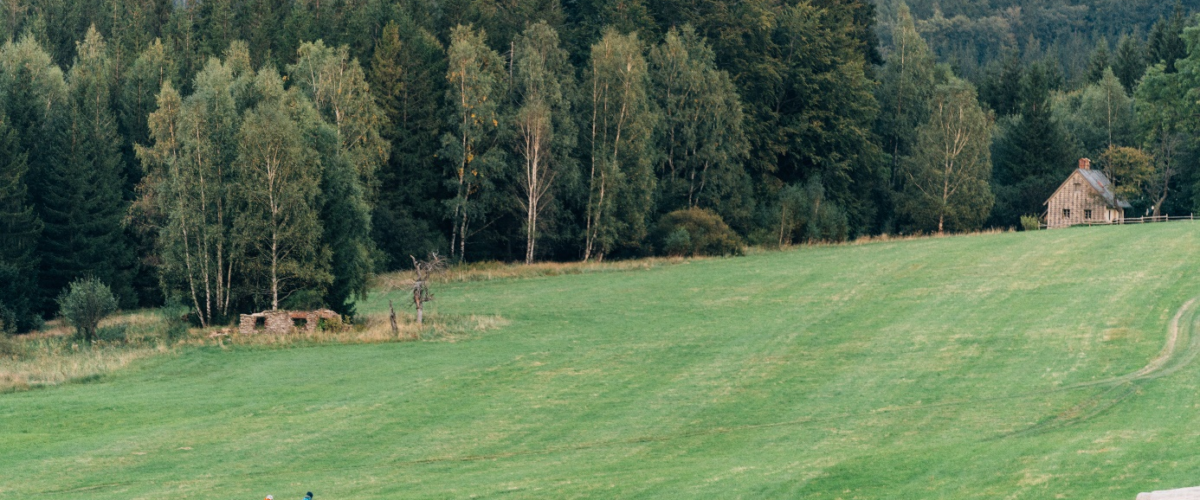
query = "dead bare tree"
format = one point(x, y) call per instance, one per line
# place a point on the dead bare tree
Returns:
point(423, 271)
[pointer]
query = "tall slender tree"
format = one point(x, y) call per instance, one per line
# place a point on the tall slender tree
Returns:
point(545, 131)
point(408, 80)
point(620, 178)
point(475, 77)
point(906, 85)
point(191, 184)
point(20, 229)
point(82, 202)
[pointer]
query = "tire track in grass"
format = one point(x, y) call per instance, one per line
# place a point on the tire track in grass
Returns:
point(1181, 348)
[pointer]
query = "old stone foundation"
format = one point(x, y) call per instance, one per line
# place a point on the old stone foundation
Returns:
point(283, 321)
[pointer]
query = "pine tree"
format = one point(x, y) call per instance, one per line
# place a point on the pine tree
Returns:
point(1100, 61)
point(407, 78)
point(82, 201)
point(1032, 155)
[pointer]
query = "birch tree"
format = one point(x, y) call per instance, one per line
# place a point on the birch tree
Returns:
point(338, 89)
point(543, 124)
point(620, 178)
point(279, 173)
point(947, 176)
point(190, 181)
point(475, 77)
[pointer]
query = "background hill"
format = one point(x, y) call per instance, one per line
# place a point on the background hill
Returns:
point(968, 367)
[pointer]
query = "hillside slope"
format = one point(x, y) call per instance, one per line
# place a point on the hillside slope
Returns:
point(965, 367)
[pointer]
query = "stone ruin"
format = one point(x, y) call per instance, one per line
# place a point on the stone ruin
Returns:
point(283, 321)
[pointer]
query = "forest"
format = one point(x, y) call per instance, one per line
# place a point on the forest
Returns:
point(239, 155)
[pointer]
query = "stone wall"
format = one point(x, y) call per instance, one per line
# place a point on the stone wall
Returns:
point(282, 321)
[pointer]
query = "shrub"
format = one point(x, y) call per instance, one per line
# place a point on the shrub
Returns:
point(1030, 223)
point(84, 304)
point(695, 231)
point(9, 347)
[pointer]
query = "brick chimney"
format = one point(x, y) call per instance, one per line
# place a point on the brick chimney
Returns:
point(1085, 164)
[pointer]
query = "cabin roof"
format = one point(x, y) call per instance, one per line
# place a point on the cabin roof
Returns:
point(1100, 184)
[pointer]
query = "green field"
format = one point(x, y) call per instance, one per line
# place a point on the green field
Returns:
point(991, 366)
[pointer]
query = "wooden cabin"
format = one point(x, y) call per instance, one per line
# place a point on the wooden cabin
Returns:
point(1086, 197)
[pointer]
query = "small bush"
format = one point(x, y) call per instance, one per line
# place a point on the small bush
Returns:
point(9, 346)
point(176, 315)
point(679, 242)
point(695, 231)
point(1030, 223)
point(84, 304)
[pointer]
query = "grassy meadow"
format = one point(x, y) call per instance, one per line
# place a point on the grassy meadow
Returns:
point(1018, 365)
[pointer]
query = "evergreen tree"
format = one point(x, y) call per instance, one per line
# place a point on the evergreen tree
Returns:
point(407, 78)
point(620, 176)
point(476, 86)
point(81, 196)
point(20, 229)
point(1100, 61)
point(905, 87)
point(544, 128)
point(1129, 62)
point(1032, 155)
point(1001, 89)
point(1166, 40)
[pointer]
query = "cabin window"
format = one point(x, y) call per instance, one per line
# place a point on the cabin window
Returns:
point(1087, 214)
point(300, 322)
point(1066, 213)
point(260, 323)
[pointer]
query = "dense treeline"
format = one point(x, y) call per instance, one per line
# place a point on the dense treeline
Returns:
point(246, 154)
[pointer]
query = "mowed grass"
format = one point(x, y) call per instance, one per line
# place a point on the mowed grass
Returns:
point(938, 368)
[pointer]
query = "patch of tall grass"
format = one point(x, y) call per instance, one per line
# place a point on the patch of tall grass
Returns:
point(369, 329)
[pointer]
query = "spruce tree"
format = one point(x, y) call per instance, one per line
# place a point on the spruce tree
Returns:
point(1032, 155)
point(82, 202)
point(906, 84)
point(408, 80)
point(1129, 62)
point(1100, 61)
point(20, 230)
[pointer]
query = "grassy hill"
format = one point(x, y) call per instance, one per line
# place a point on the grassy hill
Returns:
point(992, 366)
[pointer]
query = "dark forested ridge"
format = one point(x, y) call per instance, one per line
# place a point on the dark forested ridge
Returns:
point(244, 154)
